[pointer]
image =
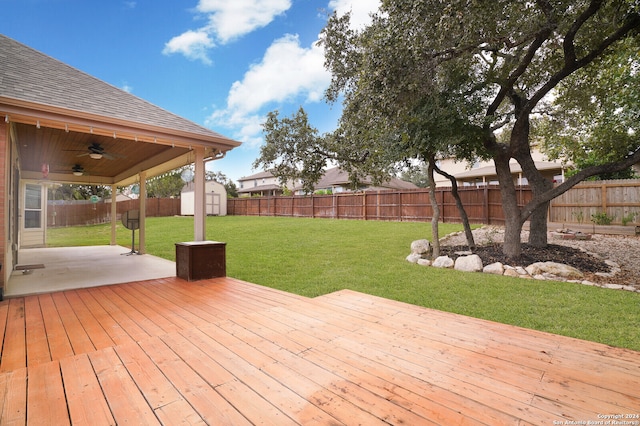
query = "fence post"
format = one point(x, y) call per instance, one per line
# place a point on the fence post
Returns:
point(485, 204)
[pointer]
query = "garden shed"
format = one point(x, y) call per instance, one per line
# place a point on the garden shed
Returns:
point(215, 199)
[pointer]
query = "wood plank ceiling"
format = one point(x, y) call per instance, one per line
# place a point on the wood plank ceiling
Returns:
point(61, 150)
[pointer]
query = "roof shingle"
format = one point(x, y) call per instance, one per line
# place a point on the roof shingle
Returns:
point(29, 75)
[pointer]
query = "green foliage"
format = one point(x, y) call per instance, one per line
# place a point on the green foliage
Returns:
point(596, 116)
point(602, 218)
point(78, 192)
point(593, 159)
point(293, 151)
point(312, 257)
point(166, 185)
point(416, 175)
point(324, 192)
point(229, 185)
point(463, 79)
point(629, 217)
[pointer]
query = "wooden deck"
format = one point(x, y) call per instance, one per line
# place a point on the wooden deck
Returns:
point(223, 351)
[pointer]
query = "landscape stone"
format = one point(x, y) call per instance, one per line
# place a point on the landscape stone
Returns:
point(494, 268)
point(558, 269)
point(421, 247)
point(612, 264)
point(470, 263)
point(424, 262)
point(414, 258)
point(511, 272)
point(443, 262)
point(613, 286)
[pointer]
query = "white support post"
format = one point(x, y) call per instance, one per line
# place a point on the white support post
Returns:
point(114, 213)
point(143, 212)
point(199, 213)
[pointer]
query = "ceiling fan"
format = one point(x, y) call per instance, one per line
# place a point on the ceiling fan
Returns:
point(96, 151)
point(77, 170)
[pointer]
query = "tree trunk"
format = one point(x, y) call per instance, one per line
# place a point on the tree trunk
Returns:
point(463, 214)
point(538, 226)
point(435, 235)
point(512, 246)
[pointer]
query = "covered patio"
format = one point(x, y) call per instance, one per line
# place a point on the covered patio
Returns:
point(60, 125)
point(223, 351)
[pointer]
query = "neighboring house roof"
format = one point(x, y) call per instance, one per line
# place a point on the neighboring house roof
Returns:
point(515, 168)
point(337, 177)
point(332, 178)
point(259, 175)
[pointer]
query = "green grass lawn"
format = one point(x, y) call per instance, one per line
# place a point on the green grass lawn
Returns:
point(312, 257)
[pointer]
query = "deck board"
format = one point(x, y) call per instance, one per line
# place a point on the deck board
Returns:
point(87, 404)
point(35, 333)
point(46, 400)
point(223, 351)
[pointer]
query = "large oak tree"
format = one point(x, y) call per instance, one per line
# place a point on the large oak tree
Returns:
point(466, 77)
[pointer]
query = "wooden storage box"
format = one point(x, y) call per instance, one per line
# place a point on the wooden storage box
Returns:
point(200, 260)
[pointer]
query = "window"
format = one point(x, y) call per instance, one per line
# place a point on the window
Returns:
point(32, 206)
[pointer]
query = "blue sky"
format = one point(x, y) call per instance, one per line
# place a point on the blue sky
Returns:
point(220, 63)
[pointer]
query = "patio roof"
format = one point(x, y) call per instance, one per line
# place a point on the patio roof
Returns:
point(56, 112)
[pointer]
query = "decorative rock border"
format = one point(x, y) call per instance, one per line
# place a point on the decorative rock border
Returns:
point(544, 271)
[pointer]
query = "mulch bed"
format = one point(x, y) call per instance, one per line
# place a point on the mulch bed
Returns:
point(552, 253)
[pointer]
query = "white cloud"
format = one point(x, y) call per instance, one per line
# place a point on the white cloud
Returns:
point(360, 10)
point(229, 20)
point(286, 72)
point(192, 44)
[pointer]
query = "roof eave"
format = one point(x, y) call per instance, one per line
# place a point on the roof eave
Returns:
point(20, 111)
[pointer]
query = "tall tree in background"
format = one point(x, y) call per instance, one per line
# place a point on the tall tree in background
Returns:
point(478, 72)
point(232, 189)
point(606, 124)
point(166, 185)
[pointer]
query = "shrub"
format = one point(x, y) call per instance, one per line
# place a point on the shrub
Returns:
point(602, 218)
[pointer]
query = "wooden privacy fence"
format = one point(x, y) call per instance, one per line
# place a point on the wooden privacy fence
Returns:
point(68, 213)
point(617, 198)
point(483, 205)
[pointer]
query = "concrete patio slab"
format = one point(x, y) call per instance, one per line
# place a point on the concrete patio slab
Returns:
point(79, 267)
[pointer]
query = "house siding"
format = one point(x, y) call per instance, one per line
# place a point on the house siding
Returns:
point(4, 170)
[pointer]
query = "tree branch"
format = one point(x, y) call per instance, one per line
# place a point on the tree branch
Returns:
point(577, 178)
point(569, 38)
point(576, 64)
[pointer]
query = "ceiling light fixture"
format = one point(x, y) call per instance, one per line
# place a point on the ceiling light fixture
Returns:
point(95, 155)
point(78, 170)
